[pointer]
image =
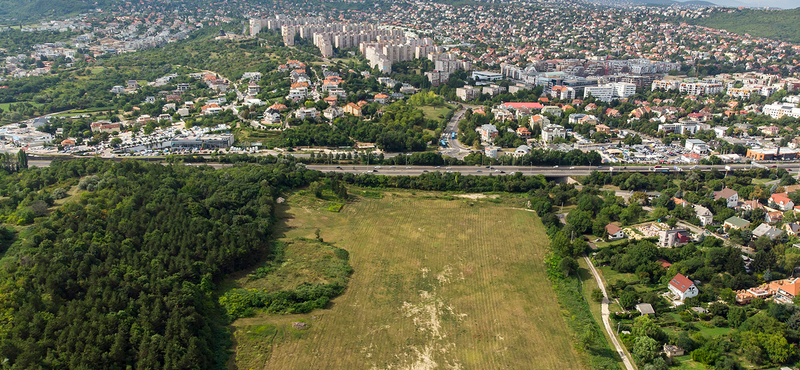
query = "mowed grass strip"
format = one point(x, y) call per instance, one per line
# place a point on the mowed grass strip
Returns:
point(436, 284)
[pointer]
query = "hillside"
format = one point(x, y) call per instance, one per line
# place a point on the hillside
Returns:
point(774, 24)
point(13, 12)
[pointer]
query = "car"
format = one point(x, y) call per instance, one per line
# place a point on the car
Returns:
point(438, 166)
point(408, 168)
point(502, 171)
point(374, 170)
point(789, 169)
point(391, 167)
point(556, 166)
point(424, 170)
point(377, 167)
point(572, 168)
point(479, 171)
point(496, 170)
point(599, 166)
point(488, 167)
point(338, 167)
point(512, 173)
point(773, 166)
point(448, 168)
point(598, 240)
point(491, 168)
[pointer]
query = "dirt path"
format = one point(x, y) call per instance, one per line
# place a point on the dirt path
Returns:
point(606, 319)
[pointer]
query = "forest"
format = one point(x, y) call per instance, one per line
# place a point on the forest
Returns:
point(778, 25)
point(123, 274)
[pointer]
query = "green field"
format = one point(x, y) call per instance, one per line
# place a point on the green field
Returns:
point(435, 113)
point(447, 284)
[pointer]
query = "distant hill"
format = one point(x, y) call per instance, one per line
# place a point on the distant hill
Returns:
point(774, 24)
point(13, 12)
point(670, 2)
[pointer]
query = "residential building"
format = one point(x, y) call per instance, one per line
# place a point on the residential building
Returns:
point(562, 92)
point(306, 113)
point(773, 217)
point(609, 92)
point(792, 228)
point(488, 132)
point(352, 108)
point(523, 132)
point(737, 223)
point(704, 215)
point(491, 151)
point(682, 287)
point(766, 230)
point(552, 110)
point(781, 201)
point(731, 197)
point(552, 132)
point(673, 238)
point(777, 110)
point(468, 93)
point(437, 77)
point(614, 232)
point(381, 98)
point(522, 150)
point(333, 112)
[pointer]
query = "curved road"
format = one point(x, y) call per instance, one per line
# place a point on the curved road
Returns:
point(607, 319)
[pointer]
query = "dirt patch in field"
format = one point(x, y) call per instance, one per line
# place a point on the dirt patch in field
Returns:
point(476, 196)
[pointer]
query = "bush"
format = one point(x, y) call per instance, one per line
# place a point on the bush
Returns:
point(335, 207)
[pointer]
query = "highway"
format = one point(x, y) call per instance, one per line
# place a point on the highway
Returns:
point(557, 171)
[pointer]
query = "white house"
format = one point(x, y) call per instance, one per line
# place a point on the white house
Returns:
point(682, 287)
point(704, 215)
point(551, 132)
point(488, 132)
point(731, 197)
point(614, 232)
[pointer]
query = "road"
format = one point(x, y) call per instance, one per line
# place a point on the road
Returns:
point(506, 170)
point(606, 314)
point(400, 170)
point(455, 149)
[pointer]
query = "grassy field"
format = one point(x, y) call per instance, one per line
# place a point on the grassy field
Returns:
point(435, 113)
point(446, 284)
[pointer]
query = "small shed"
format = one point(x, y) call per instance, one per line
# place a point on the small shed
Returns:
point(672, 350)
point(645, 309)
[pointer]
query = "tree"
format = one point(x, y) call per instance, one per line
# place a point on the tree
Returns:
point(597, 295)
point(736, 316)
point(645, 326)
point(627, 299)
point(645, 350)
point(22, 159)
point(581, 221)
point(568, 266)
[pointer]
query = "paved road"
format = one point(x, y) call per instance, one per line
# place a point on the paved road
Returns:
point(455, 149)
point(607, 319)
point(473, 170)
point(507, 170)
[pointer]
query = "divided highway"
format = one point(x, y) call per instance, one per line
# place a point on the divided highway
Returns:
point(507, 170)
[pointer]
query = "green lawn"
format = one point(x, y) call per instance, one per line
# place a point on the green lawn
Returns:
point(435, 113)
